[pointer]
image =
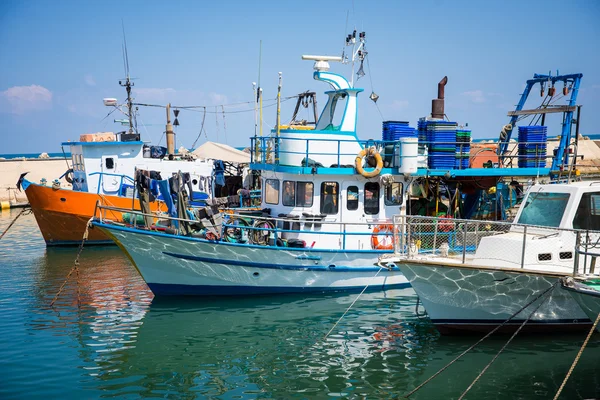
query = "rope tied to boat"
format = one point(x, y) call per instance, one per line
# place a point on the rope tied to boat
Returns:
point(481, 340)
point(75, 267)
point(351, 305)
point(24, 211)
point(587, 339)
point(508, 341)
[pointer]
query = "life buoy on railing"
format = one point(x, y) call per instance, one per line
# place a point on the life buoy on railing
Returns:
point(69, 175)
point(445, 224)
point(359, 160)
point(388, 230)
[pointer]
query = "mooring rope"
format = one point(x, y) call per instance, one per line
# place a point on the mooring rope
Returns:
point(577, 357)
point(75, 267)
point(480, 340)
point(15, 220)
point(348, 309)
point(505, 345)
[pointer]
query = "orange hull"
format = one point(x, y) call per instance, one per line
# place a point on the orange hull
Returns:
point(62, 215)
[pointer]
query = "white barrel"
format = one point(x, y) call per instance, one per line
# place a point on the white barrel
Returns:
point(409, 155)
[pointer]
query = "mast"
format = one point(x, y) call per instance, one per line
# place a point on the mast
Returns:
point(278, 119)
point(260, 91)
point(169, 132)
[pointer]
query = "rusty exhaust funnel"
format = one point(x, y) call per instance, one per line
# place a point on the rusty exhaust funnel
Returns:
point(437, 105)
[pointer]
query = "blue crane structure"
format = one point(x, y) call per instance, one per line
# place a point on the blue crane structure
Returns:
point(571, 84)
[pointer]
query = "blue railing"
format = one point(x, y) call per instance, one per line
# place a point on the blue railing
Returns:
point(271, 150)
point(122, 179)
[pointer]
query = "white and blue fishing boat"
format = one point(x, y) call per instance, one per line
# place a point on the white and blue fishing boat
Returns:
point(103, 167)
point(476, 275)
point(328, 200)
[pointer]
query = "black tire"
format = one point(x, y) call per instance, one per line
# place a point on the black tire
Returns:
point(69, 175)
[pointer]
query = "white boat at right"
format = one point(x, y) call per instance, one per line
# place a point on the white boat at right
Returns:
point(474, 275)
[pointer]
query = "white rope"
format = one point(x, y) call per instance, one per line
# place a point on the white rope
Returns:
point(348, 309)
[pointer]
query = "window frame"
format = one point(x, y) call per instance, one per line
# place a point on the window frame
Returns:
point(293, 197)
point(112, 161)
point(368, 210)
point(336, 203)
point(266, 187)
point(355, 200)
point(388, 202)
point(312, 196)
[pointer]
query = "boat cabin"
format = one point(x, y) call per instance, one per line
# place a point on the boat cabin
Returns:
point(103, 164)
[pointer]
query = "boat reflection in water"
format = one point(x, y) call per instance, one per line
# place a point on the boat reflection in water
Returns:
point(275, 346)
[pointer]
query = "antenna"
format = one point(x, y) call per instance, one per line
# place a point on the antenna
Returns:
point(359, 53)
point(128, 84)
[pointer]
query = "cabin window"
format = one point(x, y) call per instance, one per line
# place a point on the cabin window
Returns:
point(304, 194)
point(272, 191)
point(371, 198)
point(393, 194)
point(338, 108)
point(588, 212)
point(352, 198)
point(289, 193)
point(329, 197)
point(544, 209)
point(110, 163)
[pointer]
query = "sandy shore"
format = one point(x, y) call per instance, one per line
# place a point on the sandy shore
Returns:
point(10, 170)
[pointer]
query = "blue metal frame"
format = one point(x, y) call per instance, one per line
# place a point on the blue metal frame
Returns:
point(262, 164)
point(101, 175)
point(565, 139)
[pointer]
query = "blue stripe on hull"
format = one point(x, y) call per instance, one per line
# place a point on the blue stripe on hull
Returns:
point(274, 266)
point(66, 243)
point(161, 289)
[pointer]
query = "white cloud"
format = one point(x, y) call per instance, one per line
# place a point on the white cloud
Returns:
point(476, 96)
point(89, 80)
point(217, 99)
point(27, 98)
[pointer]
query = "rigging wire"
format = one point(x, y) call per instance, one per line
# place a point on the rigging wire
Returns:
point(201, 129)
point(191, 108)
point(224, 124)
point(373, 90)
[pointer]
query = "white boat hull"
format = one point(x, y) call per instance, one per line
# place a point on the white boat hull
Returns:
point(459, 298)
point(173, 265)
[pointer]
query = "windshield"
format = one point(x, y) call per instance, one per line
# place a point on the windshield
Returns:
point(544, 209)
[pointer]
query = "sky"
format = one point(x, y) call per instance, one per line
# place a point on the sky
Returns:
point(58, 60)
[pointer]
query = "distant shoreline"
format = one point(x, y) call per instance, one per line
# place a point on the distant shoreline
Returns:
point(30, 156)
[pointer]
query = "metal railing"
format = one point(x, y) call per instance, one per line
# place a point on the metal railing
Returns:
point(523, 247)
point(256, 229)
point(122, 179)
point(271, 150)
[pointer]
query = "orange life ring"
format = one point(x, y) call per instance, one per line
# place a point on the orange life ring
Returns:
point(383, 228)
point(359, 158)
point(445, 224)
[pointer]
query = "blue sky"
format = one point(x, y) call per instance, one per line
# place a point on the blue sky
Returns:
point(59, 59)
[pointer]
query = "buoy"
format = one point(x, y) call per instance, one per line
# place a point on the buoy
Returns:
point(4, 205)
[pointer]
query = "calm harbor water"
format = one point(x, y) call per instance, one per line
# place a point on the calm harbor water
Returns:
point(119, 341)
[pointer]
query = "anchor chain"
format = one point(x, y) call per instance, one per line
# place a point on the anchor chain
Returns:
point(75, 267)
